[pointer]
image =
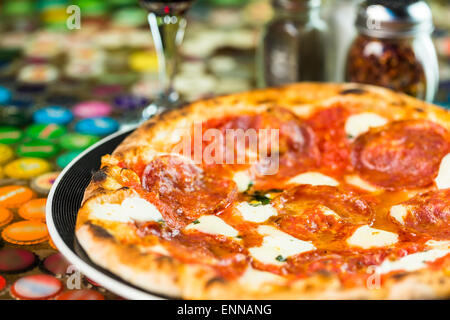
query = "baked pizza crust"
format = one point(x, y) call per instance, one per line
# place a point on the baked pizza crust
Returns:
point(161, 274)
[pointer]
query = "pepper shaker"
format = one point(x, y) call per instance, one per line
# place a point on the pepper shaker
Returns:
point(394, 49)
point(292, 46)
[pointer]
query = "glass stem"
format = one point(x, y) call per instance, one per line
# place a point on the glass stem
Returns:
point(168, 33)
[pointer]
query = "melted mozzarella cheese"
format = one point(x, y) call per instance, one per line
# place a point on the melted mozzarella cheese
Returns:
point(131, 209)
point(258, 213)
point(366, 237)
point(256, 279)
point(313, 178)
point(356, 181)
point(443, 178)
point(441, 244)
point(277, 246)
point(360, 123)
point(213, 225)
point(242, 180)
point(413, 261)
point(399, 213)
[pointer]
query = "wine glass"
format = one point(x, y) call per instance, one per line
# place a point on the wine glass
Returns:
point(167, 24)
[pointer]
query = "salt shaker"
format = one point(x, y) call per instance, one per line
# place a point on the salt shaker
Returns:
point(292, 46)
point(394, 49)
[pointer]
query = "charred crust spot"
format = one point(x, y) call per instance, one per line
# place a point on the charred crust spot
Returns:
point(419, 110)
point(214, 280)
point(352, 91)
point(163, 259)
point(99, 176)
point(99, 231)
point(264, 101)
point(399, 276)
point(309, 287)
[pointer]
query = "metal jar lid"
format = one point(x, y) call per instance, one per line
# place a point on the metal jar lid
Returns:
point(394, 18)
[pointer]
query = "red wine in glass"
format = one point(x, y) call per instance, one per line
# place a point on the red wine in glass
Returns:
point(167, 24)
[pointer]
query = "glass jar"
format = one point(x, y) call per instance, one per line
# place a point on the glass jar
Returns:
point(394, 48)
point(292, 46)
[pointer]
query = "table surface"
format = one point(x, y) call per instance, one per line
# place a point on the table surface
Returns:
point(221, 67)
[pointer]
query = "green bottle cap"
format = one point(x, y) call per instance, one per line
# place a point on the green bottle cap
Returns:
point(77, 141)
point(93, 7)
point(64, 159)
point(129, 17)
point(45, 131)
point(37, 149)
point(10, 135)
point(18, 7)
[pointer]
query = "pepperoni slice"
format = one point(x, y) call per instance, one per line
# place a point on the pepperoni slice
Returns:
point(428, 214)
point(183, 192)
point(294, 151)
point(311, 212)
point(297, 149)
point(403, 154)
point(227, 256)
point(329, 127)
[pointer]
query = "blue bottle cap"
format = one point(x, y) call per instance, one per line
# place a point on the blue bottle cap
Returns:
point(5, 95)
point(97, 126)
point(53, 114)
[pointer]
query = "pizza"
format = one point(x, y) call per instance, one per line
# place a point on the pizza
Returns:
point(346, 196)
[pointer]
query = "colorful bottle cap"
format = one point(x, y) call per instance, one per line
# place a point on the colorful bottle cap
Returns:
point(92, 109)
point(56, 264)
point(45, 131)
point(43, 183)
point(33, 210)
point(93, 7)
point(38, 74)
point(97, 126)
point(147, 88)
point(26, 168)
point(2, 283)
point(6, 153)
point(53, 114)
point(36, 287)
point(129, 17)
point(81, 70)
point(14, 196)
point(38, 149)
point(5, 95)
point(77, 141)
point(143, 61)
point(130, 102)
point(81, 294)
point(6, 216)
point(10, 135)
point(17, 260)
point(63, 160)
point(25, 232)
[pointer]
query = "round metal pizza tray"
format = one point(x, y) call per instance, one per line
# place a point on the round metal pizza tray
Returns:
point(63, 203)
